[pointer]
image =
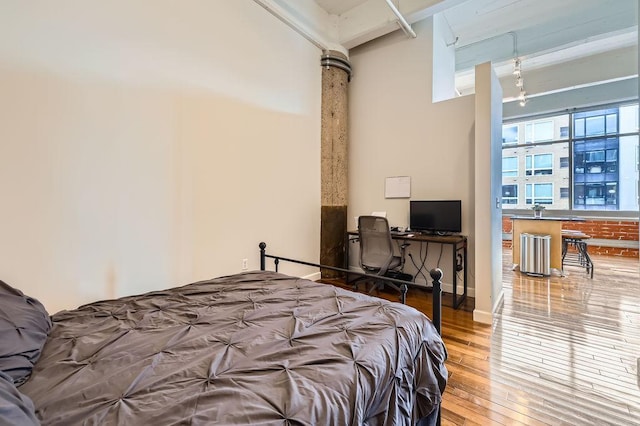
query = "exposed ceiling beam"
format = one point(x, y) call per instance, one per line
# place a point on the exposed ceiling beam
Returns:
point(307, 19)
point(356, 26)
point(406, 27)
point(558, 69)
point(580, 72)
point(374, 19)
point(547, 35)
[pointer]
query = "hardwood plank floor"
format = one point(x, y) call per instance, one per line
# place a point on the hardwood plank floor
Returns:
point(561, 350)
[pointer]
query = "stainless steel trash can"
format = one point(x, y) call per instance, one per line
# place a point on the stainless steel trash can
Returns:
point(535, 256)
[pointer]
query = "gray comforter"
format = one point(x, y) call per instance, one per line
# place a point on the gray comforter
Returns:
point(253, 348)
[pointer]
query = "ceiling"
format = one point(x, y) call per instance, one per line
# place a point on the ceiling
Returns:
point(338, 7)
point(545, 34)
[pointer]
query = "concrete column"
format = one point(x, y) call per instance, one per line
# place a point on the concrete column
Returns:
point(336, 73)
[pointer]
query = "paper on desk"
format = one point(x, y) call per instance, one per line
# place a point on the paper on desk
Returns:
point(379, 214)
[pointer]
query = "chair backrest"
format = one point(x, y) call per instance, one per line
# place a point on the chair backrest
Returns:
point(376, 245)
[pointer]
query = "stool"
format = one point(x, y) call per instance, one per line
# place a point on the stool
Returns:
point(577, 240)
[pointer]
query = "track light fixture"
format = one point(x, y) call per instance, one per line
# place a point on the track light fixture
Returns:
point(517, 67)
point(519, 81)
point(517, 71)
point(522, 97)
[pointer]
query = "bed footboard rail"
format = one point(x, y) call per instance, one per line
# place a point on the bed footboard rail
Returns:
point(436, 276)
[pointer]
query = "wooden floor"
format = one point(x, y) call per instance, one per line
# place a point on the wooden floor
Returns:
point(561, 350)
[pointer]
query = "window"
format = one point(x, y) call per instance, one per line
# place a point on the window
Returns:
point(611, 195)
point(594, 156)
point(509, 166)
point(541, 131)
point(596, 123)
point(578, 128)
point(539, 193)
point(583, 160)
point(612, 124)
point(594, 126)
point(597, 194)
point(509, 135)
point(596, 159)
point(509, 194)
point(539, 164)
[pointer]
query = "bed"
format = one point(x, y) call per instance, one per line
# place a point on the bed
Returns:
point(253, 348)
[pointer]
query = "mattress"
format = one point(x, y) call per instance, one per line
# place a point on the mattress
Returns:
point(253, 348)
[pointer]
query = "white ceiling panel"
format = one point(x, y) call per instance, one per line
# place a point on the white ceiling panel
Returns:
point(501, 29)
point(338, 7)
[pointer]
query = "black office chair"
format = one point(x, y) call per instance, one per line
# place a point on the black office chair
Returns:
point(377, 251)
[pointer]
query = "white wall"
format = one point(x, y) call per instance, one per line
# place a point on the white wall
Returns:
point(487, 239)
point(148, 144)
point(444, 60)
point(396, 130)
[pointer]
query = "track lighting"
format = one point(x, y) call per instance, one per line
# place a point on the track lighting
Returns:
point(517, 71)
point(517, 67)
point(522, 97)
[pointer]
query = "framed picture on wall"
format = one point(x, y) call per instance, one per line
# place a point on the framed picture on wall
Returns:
point(397, 187)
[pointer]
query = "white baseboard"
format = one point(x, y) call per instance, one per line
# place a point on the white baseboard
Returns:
point(498, 304)
point(313, 277)
point(487, 317)
point(482, 316)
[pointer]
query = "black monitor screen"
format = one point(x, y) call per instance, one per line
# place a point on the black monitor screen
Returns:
point(441, 217)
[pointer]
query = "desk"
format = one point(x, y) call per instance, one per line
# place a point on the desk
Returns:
point(457, 242)
point(542, 225)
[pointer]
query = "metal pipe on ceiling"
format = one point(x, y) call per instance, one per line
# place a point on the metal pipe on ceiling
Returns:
point(282, 14)
point(403, 22)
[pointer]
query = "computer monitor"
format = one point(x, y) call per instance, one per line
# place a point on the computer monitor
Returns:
point(437, 217)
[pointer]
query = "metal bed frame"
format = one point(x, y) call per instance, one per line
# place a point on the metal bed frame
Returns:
point(436, 276)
